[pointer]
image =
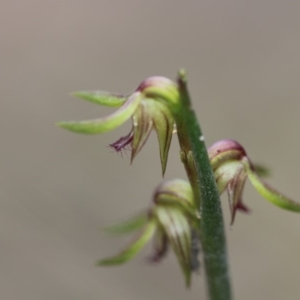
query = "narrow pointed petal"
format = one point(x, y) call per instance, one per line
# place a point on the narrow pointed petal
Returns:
point(133, 248)
point(152, 113)
point(271, 194)
point(142, 126)
point(107, 123)
point(231, 176)
point(101, 98)
point(128, 226)
point(163, 122)
point(235, 190)
point(178, 230)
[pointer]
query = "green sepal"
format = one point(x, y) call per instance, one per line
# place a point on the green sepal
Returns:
point(128, 226)
point(133, 248)
point(101, 98)
point(107, 123)
point(270, 193)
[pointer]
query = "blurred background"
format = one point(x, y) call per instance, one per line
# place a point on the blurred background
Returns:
point(57, 189)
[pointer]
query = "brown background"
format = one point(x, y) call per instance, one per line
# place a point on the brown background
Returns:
point(58, 189)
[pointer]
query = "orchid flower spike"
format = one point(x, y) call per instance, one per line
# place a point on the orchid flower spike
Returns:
point(232, 167)
point(150, 106)
point(170, 221)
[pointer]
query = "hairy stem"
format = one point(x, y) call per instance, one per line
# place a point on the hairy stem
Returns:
point(195, 159)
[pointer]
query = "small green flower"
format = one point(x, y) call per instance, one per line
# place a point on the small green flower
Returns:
point(232, 167)
point(170, 221)
point(151, 106)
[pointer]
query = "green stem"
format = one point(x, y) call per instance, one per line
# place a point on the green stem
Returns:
point(195, 158)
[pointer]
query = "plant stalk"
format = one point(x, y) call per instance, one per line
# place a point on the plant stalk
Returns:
point(195, 159)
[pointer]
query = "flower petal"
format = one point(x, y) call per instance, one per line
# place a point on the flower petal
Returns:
point(152, 113)
point(101, 98)
point(178, 230)
point(128, 226)
point(133, 248)
point(107, 123)
point(269, 193)
point(163, 122)
point(142, 126)
point(232, 176)
point(235, 189)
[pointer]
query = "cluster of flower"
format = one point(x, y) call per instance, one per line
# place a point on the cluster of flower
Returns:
point(173, 217)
